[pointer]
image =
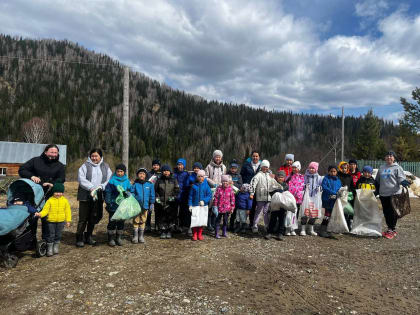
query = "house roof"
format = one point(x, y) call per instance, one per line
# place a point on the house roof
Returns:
point(20, 152)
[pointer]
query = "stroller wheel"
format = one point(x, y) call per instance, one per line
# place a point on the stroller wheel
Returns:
point(41, 248)
point(10, 261)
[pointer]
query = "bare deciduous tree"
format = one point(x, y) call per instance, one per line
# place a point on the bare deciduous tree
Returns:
point(35, 130)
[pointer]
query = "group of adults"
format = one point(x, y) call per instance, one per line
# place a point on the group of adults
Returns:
point(46, 170)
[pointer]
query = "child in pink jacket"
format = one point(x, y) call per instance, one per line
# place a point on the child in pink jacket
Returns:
point(296, 182)
point(223, 204)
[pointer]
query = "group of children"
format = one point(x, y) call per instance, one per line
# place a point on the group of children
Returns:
point(173, 196)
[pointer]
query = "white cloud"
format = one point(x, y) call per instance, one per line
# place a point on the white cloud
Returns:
point(237, 51)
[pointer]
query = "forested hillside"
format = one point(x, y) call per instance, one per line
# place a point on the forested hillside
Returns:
point(82, 104)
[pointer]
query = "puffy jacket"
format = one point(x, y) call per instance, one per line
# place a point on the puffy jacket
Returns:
point(243, 201)
point(166, 189)
point(368, 183)
point(330, 186)
point(57, 210)
point(224, 199)
point(247, 172)
point(144, 193)
point(111, 192)
point(296, 184)
point(261, 186)
point(236, 179)
point(346, 180)
point(286, 168)
point(199, 192)
point(214, 173)
point(182, 178)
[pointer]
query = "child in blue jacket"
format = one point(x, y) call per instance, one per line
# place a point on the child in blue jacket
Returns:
point(243, 207)
point(200, 195)
point(144, 192)
point(331, 184)
point(119, 178)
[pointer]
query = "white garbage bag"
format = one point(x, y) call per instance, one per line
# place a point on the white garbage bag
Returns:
point(337, 222)
point(199, 216)
point(284, 200)
point(291, 220)
point(367, 219)
point(311, 206)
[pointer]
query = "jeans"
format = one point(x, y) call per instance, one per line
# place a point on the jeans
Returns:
point(55, 230)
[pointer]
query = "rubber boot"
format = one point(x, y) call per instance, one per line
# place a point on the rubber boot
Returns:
point(88, 235)
point(311, 230)
point(303, 230)
point(200, 233)
point(56, 248)
point(189, 233)
point(79, 240)
point(195, 233)
point(50, 249)
point(111, 238)
point(168, 234)
point(243, 228)
point(217, 232)
point(135, 238)
point(323, 232)
point(224, 231)
point(141, 236)
point(119, 241)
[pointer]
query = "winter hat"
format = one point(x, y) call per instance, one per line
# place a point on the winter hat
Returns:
point(332, 167)
point(225, 178)
point(156, 161)
point(246, 187)
point(234, 163)
point(289, 156)
point(281, 173)
point(58, 187)
point(201, 173)
point(367, 169)
point(353, 161)
point(198, 165)
point(182, 161)
point(265, 163)
point(340, 165)
point(166, 167)
point(217, 153)
point(315, 165)
point(297, 165)
point(121, 167)
point(391, 153)
point(141, 170)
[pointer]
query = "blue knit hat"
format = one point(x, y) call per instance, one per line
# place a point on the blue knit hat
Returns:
point(182, 161)
point(166, 167)
point(198, 165)
point(368, 169)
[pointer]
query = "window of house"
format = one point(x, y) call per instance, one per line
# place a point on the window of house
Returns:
point(3, 171)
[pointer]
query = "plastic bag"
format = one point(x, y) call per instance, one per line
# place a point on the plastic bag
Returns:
point(337, 222)
point(367, 219)
point(291, 220)
point(128, 209)
point(199, 216)
point(120, 197)
point(348, 209)
point(283, 200)
point(311, 206)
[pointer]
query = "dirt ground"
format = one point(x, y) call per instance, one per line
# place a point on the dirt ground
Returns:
point(238, 275)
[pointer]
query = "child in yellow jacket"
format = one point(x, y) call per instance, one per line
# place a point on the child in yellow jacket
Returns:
point(58, 212)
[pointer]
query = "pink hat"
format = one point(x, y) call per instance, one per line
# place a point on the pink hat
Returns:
point(201, 173)
point(225, 178)
point(315, 165)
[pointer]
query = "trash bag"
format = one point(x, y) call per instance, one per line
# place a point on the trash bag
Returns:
point(128, 209)
point(337, 222)
point(284, 200)
point(348, 209)
point(199, 216)
point(367, 219)
point(120, 197)
point(401, 203)
point(311, 206)
point(291, 220)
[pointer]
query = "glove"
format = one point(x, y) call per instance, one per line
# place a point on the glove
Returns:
point(152, 207)
point(215, 211)
point(170, 199)
point(405, 183)
point(333, 197)
point(201, 203)
point(158, 200)
point(190, 208)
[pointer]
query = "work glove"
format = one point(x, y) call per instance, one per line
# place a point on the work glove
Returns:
point(158, 200)
point(201, 203)
point(333, 197)
point(405, 183)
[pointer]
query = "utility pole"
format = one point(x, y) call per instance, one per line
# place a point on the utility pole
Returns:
point(126, 118)
point(342, 133)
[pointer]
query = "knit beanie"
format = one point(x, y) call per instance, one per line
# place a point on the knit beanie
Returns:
point(246, 187)
point(182, 161)
point(58, 187)
point(234, 163)
point(353, 161)
point(121, 167)
point(367, 169)
point(281, 173)
point(315, 165)
point(225, 178)
point(201, 173)
point(289, 156)
point(198, 165)
point(332, 167)
point(265, 163)
point(391, 153)
point(156, 161)
point(297, 165)
point(166, 167)
point(217, 153)
point(141, 170)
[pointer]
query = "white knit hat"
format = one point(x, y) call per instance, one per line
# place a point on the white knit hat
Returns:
point(217, 153)
point(297, 165)
point(289, 156)
point(265, 163)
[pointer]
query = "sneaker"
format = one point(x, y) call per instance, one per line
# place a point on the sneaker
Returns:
point(268, 236)
point(390, 234)
point(163, 235)
point(254, 230)
point(288, 232)
point(302, 233)
point(292, 233)
point(169, 235)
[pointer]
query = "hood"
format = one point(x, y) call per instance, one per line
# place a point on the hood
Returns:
point(93, 164)
point(340, 165)
point(216, 165)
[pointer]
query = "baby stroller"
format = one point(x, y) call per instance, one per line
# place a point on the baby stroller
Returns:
point(17, 225)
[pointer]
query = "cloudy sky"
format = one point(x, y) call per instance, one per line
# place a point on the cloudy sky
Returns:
point(302, 55)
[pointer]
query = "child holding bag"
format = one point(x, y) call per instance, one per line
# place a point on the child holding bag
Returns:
point(296, 182)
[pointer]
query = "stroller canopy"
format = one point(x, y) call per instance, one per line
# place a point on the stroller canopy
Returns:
point(32, 192)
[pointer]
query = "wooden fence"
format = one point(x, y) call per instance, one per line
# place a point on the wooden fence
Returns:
point(412, 167)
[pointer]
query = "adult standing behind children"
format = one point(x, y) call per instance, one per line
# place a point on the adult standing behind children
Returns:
point(93, 177)
point(390, 176)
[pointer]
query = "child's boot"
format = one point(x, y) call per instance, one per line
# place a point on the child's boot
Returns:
point(311, 230)
point(288, 233)
point(79, 240)
point(323, 232)
point(194, 233)
point(56, 248)
point(111, 238)
point(224, 231)
point(292, 232)
point(303, 230)
point(200, 233)
point(243, 228)
point(141, 236)
point(135, 239)
point(119, 240)
point(50, 249)
point(217, 232)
